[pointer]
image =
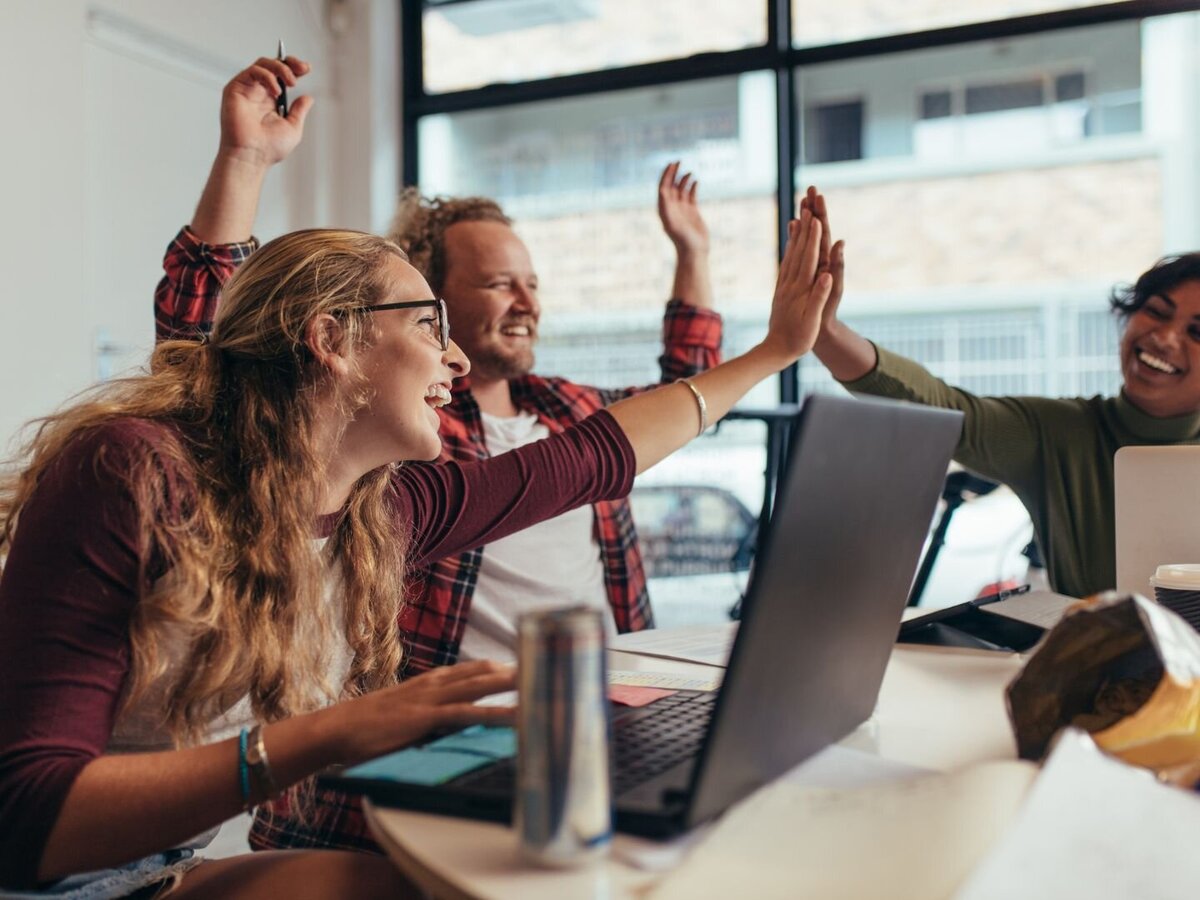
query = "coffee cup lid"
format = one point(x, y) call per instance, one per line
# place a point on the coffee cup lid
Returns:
point(1184, 576)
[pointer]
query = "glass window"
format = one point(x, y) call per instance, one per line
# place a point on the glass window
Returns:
point(936, 104)
point(1004, 188)
point(989, 217)
point(833, 132)
point(815, 22)
point(987, 98)
point(579, 178)
point(470, 43)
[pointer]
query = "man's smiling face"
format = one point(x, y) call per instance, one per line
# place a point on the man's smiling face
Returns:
point(1160, 352)
point(490, 289)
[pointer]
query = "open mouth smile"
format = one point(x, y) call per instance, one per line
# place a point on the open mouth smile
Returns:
point(1157, 363)
point(437, 395)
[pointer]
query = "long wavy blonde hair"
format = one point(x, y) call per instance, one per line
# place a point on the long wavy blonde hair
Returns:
point(228, 502)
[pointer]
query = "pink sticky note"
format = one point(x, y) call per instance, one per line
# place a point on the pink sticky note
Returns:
point(633, 695)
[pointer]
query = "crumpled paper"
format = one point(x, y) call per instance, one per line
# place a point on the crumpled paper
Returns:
point(1127, 671)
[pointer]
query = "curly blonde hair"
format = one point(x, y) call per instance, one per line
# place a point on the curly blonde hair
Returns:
point(228, 500)
point(420, 228)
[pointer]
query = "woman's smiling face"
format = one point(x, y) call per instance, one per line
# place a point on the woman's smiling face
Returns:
point(1160, 352)
point(407, 372)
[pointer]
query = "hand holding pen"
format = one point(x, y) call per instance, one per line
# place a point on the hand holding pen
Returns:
point(281, 104)
point(257, 125)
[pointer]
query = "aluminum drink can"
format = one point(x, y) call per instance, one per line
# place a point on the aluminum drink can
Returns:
point(563, 805)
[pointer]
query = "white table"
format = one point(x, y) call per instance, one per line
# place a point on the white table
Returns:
point(938, 708)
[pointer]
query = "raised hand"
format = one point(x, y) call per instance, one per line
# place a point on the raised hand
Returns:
point(802, 290)
point(679, 212)
point(254, 137)
point(831, 258)
point(251, 129)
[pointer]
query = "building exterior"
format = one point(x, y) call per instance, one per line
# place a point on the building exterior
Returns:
point(990, 193)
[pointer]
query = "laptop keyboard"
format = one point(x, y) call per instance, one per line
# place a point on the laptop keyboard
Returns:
point(652, 739)
point(647, 741)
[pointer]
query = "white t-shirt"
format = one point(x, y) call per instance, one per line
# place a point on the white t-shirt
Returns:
point(553, 563)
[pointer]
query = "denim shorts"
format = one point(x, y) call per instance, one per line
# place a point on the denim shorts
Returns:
point(159, 870)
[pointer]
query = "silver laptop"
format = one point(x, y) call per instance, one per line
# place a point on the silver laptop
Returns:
point(833, 572)
point(1157, 505)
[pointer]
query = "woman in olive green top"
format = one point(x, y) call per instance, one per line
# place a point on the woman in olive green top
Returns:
point(1056, 455)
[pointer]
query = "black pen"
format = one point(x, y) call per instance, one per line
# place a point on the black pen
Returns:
point(281, 101)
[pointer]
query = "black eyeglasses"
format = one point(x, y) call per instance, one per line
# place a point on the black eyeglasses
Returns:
point(440, 305)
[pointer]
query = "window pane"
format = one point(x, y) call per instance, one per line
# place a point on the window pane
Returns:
point(984, 240)
point(580, 179)
point(477, 42)
point(815, 22)
point(988, 98)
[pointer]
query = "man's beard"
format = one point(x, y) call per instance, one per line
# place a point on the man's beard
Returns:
point(494, 363)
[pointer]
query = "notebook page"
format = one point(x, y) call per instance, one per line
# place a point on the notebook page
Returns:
point(915, 839)
point(1094, 827)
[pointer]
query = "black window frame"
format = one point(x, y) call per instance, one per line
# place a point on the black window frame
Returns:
point(776, 55)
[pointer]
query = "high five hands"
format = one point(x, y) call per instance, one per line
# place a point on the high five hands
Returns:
point(802, 290)
point(831, 258)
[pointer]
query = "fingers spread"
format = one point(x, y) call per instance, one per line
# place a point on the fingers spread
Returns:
point(471, 689)
point(667, 179)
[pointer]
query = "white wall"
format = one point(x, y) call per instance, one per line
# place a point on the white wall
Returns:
point(109, 127)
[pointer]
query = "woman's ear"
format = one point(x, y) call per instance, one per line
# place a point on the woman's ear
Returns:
point(326, 339)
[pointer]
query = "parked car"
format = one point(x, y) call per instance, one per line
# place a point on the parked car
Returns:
point(697, 545)
point(692, 529)
point(698, 542)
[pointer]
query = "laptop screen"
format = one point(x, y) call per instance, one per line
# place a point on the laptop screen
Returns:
point(830, 582)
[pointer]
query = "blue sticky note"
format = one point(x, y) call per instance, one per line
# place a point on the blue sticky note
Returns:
point(418, 766)
point(492, 742)
point(444, 759)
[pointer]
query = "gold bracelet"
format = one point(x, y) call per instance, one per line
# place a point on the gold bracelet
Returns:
point(701, 406)
point(259, 765)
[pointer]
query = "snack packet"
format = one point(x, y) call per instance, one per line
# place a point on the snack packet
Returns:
point(1127, 671)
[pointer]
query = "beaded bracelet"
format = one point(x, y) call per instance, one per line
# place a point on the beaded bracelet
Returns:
point(243, 766)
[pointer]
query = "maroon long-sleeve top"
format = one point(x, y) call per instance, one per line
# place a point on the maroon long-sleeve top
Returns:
point(72, 579)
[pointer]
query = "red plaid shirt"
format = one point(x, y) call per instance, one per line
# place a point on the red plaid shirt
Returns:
point(433, 621)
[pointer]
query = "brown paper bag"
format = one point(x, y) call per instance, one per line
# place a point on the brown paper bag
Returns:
point(1127, 671)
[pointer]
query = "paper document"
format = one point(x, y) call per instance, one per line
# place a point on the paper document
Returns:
point(665, 680)
point(833, 767)
point(1097, 828)
point(916, 838)
point(1041, 608)
point(707, 644)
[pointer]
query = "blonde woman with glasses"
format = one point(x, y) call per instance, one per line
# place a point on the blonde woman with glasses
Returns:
point(205, 565)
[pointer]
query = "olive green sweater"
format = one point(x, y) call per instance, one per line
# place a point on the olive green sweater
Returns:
point(1056, 455)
